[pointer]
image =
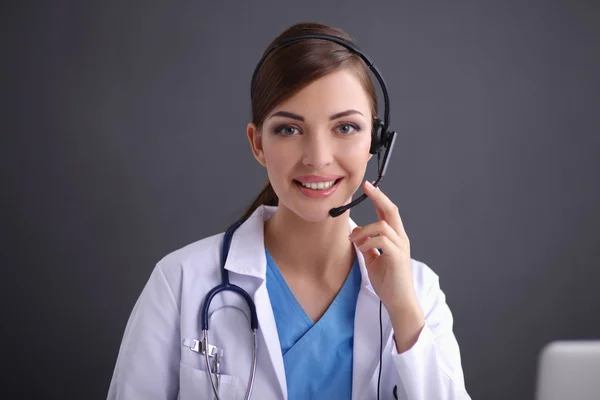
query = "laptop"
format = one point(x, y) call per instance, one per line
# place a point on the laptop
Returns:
point(569, 370)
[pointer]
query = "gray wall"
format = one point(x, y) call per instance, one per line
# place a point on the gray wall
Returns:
point(124, 139)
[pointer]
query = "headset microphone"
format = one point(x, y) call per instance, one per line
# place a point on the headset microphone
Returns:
point(336, 212)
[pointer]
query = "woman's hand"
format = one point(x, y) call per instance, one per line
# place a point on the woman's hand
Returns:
point(390, 273)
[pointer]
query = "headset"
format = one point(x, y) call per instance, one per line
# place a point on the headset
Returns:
point(382, 139)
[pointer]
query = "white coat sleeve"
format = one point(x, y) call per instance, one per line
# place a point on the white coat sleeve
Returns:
point(147, 366)
point(431, 369)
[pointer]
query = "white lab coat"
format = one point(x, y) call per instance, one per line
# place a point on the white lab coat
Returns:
point(154, 361)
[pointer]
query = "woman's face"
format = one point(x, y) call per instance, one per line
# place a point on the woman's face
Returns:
point(315, 145)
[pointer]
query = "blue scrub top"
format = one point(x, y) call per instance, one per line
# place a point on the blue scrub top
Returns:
point(317, 356)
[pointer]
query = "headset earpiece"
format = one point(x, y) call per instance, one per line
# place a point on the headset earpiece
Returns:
point(378, 140)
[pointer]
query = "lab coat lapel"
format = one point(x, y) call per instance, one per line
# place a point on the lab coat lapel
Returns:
point(247, 257)
point(268, 328)
point(366, 333)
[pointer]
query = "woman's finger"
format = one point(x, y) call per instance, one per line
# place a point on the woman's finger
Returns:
point(386, 209)
point(370, 246)
point(379, 228)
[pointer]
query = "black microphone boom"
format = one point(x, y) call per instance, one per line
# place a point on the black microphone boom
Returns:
point(336, 212)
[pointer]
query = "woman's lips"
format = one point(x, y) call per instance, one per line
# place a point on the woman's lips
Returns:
point(318, 193)
point(317, 178)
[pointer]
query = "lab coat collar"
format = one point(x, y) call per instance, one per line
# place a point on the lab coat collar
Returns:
point(247, 256)
point(247, 251)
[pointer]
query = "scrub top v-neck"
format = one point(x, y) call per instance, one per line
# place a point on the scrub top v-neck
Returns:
point(317, 357)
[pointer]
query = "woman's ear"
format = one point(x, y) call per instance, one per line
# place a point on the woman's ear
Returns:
point(255, 138)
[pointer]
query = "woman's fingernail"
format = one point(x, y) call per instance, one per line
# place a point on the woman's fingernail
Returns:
point(370, 185)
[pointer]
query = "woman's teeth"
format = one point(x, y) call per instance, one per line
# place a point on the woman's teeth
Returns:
point(318, 185)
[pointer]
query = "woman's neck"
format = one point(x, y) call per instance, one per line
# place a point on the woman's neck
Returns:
point(315, 250)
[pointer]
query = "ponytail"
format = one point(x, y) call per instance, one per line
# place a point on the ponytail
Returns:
point(266, 197)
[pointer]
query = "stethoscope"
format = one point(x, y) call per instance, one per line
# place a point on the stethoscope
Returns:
point(214, 352)
point(381, 139)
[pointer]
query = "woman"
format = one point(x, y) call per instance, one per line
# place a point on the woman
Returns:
point(318, 282)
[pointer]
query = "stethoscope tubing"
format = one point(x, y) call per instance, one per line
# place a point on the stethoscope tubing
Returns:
point(204, 311)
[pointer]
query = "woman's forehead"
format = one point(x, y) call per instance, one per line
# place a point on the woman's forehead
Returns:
point(333, 93)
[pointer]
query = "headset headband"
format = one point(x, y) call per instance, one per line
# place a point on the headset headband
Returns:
point(348, 45)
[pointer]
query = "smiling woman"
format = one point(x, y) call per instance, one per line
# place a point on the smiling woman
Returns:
point(315, 144)
point(290, 69)
point(336, 311)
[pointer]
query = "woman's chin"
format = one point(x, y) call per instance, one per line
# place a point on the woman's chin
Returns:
point(313, 213)
point(313, 210)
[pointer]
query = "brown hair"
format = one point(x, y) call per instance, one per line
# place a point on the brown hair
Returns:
point(294, 66)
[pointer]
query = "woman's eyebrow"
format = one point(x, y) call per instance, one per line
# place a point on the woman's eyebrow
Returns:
point(344, 114)
point(288, 115)
point(301, 118)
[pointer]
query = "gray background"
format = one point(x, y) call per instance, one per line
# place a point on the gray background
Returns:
point(124, 139)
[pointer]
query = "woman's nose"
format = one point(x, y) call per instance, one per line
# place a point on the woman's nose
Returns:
point(318, 150)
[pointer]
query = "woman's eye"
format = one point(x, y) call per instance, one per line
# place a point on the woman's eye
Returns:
point(346, 129)
point(286, 130)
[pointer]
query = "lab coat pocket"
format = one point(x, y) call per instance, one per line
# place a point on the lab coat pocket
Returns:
point(194, 384)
